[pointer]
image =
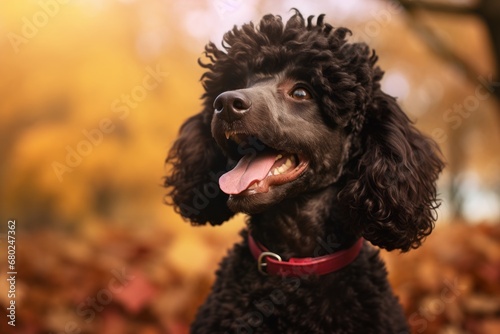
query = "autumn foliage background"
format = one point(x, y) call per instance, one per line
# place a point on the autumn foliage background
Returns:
point(90, 101)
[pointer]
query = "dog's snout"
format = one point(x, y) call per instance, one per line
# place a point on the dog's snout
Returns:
point(232, 105)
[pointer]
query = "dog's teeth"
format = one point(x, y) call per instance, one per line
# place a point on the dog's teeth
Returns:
point(275, 171)
point(288, 163)
point(228, 134)
point(279, 156)
point(281, 169)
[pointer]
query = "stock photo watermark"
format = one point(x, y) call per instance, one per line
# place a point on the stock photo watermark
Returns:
point(122, 107)
point(380, 20)
point(455, 116)
point(32, 24)
point(449, 294)
point(88, 309)
point(11, 272)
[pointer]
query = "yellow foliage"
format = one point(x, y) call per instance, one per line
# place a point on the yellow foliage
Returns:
point(86, 114)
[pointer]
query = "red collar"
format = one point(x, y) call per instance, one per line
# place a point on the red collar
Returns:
point(296, 267)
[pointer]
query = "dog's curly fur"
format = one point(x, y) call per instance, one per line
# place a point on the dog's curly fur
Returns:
point(370, 173)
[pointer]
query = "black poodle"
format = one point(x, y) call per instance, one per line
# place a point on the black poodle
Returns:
point(296, 133)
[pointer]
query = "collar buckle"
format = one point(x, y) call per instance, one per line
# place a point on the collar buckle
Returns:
point(261, 263)
point(269, 263)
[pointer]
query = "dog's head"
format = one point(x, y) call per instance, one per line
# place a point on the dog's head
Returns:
point(290, 109)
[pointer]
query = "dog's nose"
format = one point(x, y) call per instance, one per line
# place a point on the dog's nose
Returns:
point(232, 105)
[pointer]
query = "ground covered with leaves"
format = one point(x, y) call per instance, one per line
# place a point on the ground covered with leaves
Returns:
point(110, 280)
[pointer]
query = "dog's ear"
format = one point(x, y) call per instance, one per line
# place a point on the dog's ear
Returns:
point(392, 192)
point(196, 163)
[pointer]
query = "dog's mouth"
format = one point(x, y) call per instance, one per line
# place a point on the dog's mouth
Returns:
point(259, 167)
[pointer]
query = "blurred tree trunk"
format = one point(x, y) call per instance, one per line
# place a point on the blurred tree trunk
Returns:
point(489, 12)
point(455, 165)
point(12, 131)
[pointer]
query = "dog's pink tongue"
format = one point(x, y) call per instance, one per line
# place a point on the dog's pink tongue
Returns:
point(248, 170)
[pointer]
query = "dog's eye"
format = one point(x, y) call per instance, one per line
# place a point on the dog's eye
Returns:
point(300, 93)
